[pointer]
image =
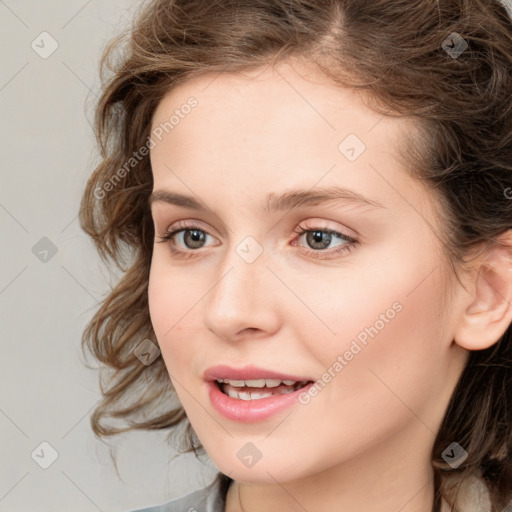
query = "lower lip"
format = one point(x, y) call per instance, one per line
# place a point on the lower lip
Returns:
point(251, 410)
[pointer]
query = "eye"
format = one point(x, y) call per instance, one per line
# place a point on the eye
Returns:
point(190, 236)
point(319, 239)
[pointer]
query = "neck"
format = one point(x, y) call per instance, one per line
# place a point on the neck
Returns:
point(397, 476)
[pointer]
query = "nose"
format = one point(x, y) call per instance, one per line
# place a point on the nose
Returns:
point(242, 300)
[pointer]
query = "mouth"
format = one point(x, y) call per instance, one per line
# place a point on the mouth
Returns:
point(258, 389)
point(253, 394)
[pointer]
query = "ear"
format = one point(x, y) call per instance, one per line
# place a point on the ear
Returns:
point(488, 308)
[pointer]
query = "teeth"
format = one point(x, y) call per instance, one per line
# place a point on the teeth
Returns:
point(231, 393)
point(244, 390)
point(252, 395)
point(256, 383)
point(260, 383)
point(235, 383)
point(256, 395)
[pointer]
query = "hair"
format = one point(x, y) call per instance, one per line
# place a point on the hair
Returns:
point(392, 52)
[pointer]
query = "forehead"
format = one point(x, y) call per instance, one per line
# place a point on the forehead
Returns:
point(275, 96)
point(269, 127)
point(292, 91)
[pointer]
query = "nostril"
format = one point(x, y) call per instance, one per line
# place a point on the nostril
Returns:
point(249, 329)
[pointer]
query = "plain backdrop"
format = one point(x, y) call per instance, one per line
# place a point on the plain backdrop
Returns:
point(51, 278)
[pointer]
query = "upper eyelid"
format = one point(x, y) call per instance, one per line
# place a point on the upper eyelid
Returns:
point(318, 223)
point(185, 224)
point(308, 209)
point(180, 226)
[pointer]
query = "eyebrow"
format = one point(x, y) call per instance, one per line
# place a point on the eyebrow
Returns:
point(274, 202)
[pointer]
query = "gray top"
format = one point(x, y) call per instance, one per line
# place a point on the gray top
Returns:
point(207, 499)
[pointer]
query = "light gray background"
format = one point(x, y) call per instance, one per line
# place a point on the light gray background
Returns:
point(46, 394)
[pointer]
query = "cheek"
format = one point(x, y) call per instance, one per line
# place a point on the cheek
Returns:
point(392, 293)
point(384, 368)
point(390, 338)
point(171, 302)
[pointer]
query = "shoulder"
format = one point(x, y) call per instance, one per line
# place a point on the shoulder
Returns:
point(471, 495)
point(207, 499)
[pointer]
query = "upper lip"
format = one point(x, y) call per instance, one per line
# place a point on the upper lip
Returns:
point(248, 373)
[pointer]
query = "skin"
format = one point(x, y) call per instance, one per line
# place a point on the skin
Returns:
point(364, 442)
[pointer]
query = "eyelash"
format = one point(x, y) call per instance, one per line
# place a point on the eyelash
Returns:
point(184, 254)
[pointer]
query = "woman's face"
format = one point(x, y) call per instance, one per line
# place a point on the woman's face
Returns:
point(357, 304)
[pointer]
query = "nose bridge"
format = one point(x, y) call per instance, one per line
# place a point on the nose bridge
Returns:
point(239, 299)
point(239, 277)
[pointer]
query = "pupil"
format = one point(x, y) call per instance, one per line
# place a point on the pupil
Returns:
point(194, 236)
point(315, 238)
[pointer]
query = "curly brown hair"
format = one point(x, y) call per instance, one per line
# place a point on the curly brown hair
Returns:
point(392, 50)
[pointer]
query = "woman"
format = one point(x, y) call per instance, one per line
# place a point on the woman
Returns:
point(316, 200)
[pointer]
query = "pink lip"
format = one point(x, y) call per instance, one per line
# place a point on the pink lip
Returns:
point(246, 373)
point(248, 411)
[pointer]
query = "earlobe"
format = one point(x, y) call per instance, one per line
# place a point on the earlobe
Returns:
point(488, 308)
